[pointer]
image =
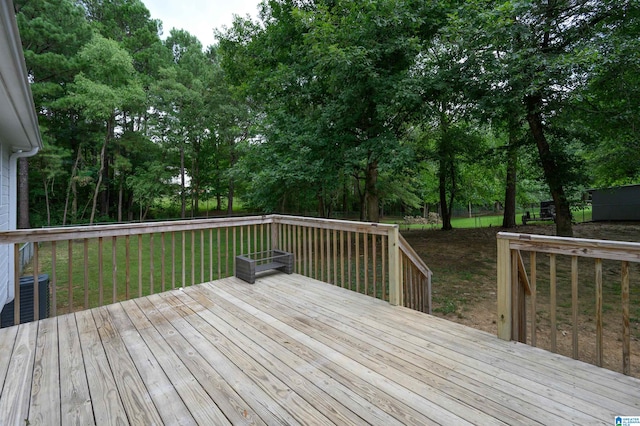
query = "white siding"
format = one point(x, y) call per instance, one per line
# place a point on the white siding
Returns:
point(4, 221)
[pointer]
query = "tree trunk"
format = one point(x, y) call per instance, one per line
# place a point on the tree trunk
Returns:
point(23, 193)
point(71, 189)
point(509, 217)
point(103, 152)
point(345, 199)
point(120, 196)
point(445, 211)
point(321, 208)
point(46, 200)
point(371, 190)
point(183, 201)
point(105, 192)
point(552, 173)
point(362, 196)
point(230, 196)
point(232, 162)
point(195, 187)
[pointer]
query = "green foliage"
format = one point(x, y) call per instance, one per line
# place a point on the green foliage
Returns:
point(326, 106)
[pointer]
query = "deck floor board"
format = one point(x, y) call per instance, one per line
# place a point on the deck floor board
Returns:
point(288, 350)
point(524, 372)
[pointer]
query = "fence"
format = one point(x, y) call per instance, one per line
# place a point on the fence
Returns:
point(515, 283)
point(90, 266)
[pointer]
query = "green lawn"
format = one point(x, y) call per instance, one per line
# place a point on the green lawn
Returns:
point(140, 269)
point(582, 215)
point(102, 271)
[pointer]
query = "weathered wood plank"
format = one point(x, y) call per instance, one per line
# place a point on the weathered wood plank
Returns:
point(599, 347)
point(375, 377)
point(300, 397)
point(7, 340)
point(293, 359)
point(76, 406)
point(107, 406)
point(574, 305)
point(45, 388)
point(203, 409)
point(626, 332)
point(534, 297)
point(250, 389)
point(599, 249)
point(397, 353)
point(600, 387)
point(294, 350)
point(553, 302)
point(16, 392)
point(326, 329)
point(168, 402)
point(133, 392)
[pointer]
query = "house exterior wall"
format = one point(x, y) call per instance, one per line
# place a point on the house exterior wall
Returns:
point(621, 203)
point(4, 221)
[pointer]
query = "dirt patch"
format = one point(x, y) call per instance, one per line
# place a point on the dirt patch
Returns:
point(464, 290)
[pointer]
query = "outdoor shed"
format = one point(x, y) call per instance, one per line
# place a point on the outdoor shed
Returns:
point(617, 203)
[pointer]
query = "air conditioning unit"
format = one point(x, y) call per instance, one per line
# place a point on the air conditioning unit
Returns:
point(26, 301)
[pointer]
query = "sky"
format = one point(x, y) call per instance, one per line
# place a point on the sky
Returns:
point(199, 17)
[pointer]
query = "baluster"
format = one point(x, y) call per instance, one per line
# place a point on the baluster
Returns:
point(114, 268)
point(599, 348)
point(552, 301)
point(54, 280)
point(574, 303)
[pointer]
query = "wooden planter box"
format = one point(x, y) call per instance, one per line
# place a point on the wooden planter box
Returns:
point(248, 264)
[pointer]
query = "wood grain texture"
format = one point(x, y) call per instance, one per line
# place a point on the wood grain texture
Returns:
point(45, 387)
point(289, 350)
point(107, 405)
point(76, 405)
point(16, 391)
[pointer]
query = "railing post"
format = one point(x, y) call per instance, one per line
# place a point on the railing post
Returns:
point(275, 236)
point(504, 289)
point(395, 283)
point(16, 284)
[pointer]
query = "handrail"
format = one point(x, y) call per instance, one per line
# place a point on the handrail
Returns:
point(414, 257)
point(366, 256)
point(123, 229)
point(582, 247)
point(416, 261)
point(514, 285)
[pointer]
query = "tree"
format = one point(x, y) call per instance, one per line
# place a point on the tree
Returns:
point(327, 74)
point(51, 32)
point(529, 49)
point(104, 91)
point(607, 105)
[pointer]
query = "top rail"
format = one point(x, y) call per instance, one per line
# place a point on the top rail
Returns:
point(335, 224)
point(581, 247)
point(123, 229)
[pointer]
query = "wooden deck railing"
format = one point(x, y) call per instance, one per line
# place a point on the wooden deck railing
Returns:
point(515, 284)
point(90, 266)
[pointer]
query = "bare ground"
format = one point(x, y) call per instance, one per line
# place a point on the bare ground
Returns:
point(463, 262)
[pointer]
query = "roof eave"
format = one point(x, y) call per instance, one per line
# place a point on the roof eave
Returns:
point(18, 120)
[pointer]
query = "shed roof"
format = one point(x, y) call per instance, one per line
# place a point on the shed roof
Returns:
point(610, 188)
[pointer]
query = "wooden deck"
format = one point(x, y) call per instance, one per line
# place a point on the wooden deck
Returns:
point(288, 350)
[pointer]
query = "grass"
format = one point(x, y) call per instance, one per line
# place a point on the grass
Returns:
point(138, 270)
point(107, 270)
point(488, 221)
